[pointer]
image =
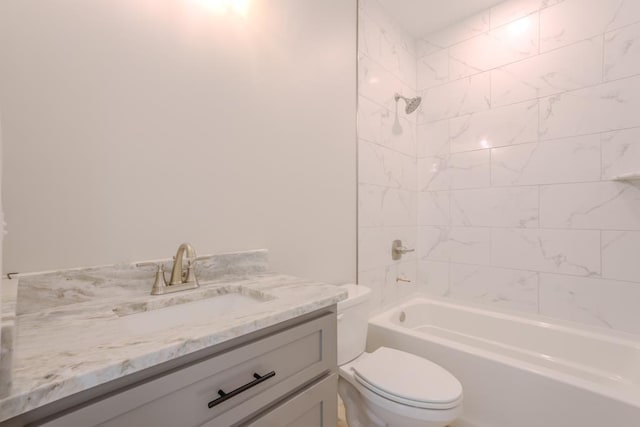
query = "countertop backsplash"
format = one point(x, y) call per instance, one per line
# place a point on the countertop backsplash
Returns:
point(40, 291)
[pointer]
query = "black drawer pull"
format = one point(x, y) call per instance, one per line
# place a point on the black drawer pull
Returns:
point(225, 396)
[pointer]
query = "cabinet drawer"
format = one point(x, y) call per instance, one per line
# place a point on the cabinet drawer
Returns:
point(297, 356)
point(316, 406)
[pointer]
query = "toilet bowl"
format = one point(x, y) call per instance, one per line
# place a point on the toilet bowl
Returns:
point(389, 387)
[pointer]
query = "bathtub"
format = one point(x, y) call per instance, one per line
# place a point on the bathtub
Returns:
point(520, 371)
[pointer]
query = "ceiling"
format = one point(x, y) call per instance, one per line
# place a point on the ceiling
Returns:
point(421, 17)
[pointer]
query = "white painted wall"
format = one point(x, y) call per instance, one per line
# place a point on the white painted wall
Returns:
point(1, 235)
point(130, 127)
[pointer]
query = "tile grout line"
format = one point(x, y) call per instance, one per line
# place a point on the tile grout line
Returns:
point(357, 143)
point(402, 153)
point(484, 32)
point(601, 257)
point(604, 53)
point(525, 185)
point(538, 272)
point(554, 141)
point(531, 100)
point(384, 67)
point(516, 228)
point(540, 52)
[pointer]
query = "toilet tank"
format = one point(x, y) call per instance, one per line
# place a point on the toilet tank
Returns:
point(353, 318)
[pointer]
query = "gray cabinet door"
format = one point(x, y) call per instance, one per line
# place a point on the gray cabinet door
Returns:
point(317, 406)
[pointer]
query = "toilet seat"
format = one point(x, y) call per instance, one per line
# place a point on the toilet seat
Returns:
point(408, 379)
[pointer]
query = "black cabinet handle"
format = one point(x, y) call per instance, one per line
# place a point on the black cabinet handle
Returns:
point(226, 396)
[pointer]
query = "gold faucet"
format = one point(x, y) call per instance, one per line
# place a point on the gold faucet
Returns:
point(180, 280)
point(178, 277)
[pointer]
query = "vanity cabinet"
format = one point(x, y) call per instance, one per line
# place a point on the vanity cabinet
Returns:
point(315, 407)
point(287, 378)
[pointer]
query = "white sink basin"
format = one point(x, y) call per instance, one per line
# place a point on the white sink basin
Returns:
point(189, 313)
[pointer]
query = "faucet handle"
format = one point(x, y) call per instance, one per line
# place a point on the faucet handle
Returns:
point(397, 250)
point(190, 274)
point(160, 283)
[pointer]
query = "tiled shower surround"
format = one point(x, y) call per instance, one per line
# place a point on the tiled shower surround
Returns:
point(529, 111)
point(387, 163)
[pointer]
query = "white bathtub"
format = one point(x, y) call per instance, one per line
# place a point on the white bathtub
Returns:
point(520, 371)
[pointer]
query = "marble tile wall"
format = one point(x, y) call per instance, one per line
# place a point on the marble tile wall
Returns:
point(529, 110)
point(387, 165)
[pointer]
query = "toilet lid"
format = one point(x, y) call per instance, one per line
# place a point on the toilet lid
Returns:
point(408, 379)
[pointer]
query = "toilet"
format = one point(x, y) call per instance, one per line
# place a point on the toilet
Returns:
point(389, 387)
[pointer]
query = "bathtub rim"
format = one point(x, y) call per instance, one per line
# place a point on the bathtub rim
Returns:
point(584, 329)
point(383, 320)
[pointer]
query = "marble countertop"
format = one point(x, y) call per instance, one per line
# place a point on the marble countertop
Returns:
point(9, 290)
point(74, 328)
